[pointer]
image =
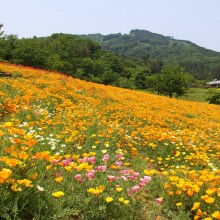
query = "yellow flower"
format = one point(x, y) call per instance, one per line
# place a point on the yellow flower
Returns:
point(108, 199)
point(8, 124)
point(97, 190)
point(4, 174)
point(210, 191)
point(196, 205)
point(58, 194)
point(59, 179)
point(179, 204)
point(119, 189)
point(216, 214)
point(15, 188)
point(121, 199)
point(26, 182)
point(126, 202)
point(208, 199)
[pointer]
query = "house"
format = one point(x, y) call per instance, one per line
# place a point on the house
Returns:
point(214, 83)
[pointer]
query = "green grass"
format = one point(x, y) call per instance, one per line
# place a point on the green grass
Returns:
point(199, 94)
point(196, 94)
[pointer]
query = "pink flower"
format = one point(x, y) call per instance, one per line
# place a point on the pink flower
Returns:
point(55, 162)
point(118, 163)
point(129, 192)
point(78, 177)
point(111, 178)
point(105, 157)
point(159, 200)
point(135, 189)
point(124, 178)
point(135, 175)
point(66, 162)
point(119, 156)
point(147, 179)
point(101, 168)
point(91, 160)
point(83, 160)
point(90, 175)
point(125, 172)
point(144, 181)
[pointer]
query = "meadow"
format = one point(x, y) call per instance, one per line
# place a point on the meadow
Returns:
point(72, 149)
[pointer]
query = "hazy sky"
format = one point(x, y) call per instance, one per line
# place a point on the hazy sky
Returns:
point(194, 20)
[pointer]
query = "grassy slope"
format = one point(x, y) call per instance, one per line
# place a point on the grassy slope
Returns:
point(48, 117)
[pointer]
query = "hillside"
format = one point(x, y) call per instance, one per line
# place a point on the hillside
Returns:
point(200, 62)
point(72, 149)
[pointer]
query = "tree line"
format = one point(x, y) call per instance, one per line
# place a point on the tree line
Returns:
point(85, 59)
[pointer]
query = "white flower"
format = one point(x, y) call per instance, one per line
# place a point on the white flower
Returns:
point(40, 188)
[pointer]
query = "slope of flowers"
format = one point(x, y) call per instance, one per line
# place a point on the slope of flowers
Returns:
point(73, 149)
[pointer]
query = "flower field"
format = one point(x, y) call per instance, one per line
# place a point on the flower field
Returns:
point(71, 149)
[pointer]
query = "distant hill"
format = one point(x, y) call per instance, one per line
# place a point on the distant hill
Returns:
point(199, 61)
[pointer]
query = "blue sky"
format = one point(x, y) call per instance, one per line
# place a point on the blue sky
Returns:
point(194, 20)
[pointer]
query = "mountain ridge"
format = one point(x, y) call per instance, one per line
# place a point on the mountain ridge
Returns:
point(197, 60)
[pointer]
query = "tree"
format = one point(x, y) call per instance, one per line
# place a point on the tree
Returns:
point(1, 32)
point(173, 81)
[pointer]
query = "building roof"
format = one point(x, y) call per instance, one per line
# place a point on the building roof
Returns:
point(214, 82)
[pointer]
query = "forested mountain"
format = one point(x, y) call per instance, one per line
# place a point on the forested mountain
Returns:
point(198, 61)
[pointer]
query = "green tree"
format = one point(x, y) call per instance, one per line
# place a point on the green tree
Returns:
point(1, 32)
point(173, 81)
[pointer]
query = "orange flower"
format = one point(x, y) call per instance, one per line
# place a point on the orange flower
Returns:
point(216, 214)
point(208, 199)
point(196, 205)
point(59, 179)
point(4, 174)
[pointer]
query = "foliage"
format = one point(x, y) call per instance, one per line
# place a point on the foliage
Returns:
point(72, 149)
point(215, 99)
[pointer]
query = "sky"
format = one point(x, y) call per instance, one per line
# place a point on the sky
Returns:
point(195, 20)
